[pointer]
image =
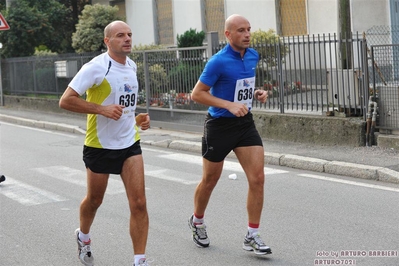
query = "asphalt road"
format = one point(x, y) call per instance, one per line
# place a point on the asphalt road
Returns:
point(309, 218)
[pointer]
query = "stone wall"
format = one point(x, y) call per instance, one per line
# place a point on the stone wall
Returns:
point(321, 130)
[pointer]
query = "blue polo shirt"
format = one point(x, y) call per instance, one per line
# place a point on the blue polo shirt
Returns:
point(222, 72)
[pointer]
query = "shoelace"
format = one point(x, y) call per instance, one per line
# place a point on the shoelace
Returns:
point(258, 241)
point(201, 232)
point(87, 250)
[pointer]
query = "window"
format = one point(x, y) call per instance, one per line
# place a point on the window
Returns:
point(214, 16)
point(292, 17)
point(164, 22)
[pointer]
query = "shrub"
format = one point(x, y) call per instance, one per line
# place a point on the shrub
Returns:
point(265, 43)
point(158, 79)
point(190, 38)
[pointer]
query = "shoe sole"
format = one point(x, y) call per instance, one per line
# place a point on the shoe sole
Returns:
point(247, 248)
point(200, 245)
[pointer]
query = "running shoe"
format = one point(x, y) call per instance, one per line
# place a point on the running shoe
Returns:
point(84, 251)
point(255, 244)
point(142, 262)
point(200, 237)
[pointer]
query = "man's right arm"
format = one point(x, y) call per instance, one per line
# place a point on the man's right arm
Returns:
point(201, 94)
point(71, 101)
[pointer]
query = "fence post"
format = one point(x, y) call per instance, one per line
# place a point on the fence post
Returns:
point(280, 78)
point(213, 42)
point(1, 86)
point(147, 82)
point(365, 75)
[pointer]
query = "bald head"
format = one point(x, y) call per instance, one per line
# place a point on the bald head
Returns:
point(111, 26)
point(237, 30)
point(118, 39)
point(233, 20)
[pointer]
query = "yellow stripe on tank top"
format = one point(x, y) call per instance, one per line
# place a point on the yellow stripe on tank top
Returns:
point(97, 95)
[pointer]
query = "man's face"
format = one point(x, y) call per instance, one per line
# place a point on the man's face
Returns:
point(239, 34)
point(120, 40)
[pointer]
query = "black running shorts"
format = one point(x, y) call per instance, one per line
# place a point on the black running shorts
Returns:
point(108, 161)
point(222, 135)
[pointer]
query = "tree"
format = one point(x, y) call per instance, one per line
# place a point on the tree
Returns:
point(33, 23)
point(76, 7)
point(89, 33)
point(58, 37)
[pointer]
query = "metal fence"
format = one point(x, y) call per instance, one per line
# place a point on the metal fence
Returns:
point(384, 89)
point(306, 74)
point(316, 74)
point(41, 76)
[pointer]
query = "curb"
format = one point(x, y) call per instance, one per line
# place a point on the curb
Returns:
point(42, 124)
point(287, 160)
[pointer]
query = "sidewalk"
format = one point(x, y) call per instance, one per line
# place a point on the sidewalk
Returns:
point(374, 163)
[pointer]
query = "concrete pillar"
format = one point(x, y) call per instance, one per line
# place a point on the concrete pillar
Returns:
point(213, 42)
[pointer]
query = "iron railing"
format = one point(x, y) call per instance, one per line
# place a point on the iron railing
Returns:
point(318, 74)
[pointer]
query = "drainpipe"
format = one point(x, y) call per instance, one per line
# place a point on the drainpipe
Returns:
point(371, 122)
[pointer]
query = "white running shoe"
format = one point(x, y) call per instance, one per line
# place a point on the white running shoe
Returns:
point(255, 243)
point(84, 251)
point(142, 262)
point(200, 237)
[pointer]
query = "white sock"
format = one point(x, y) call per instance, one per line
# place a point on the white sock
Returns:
point(84, 237)
point(253, 231)
point(198, 221)
point(137, 258)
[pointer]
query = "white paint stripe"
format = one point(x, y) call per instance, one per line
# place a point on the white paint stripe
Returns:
point(78, 177)
point(41, 130)
point(231, 166)
point(350, 182)
point(161, 174)
point(26, 194)
point(155, 150)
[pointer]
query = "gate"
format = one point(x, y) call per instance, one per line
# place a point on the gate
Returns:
point(384, 86)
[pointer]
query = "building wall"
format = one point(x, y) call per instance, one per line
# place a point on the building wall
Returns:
point(260, 13)
point(186, 15)
point(322, 16)
point(140, 17)
point(369, 13)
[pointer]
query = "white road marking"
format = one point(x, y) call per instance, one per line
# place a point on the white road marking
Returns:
point(166, 174)
point(354, 183)
point(26, 194)
point(232, 166)
point(78, 177)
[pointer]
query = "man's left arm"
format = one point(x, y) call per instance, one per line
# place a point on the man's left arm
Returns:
point(143, 121)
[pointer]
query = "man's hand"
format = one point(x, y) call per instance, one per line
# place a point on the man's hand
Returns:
point(113, 111)
point(238, 109)
point(143, 121)
point(261, 95)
